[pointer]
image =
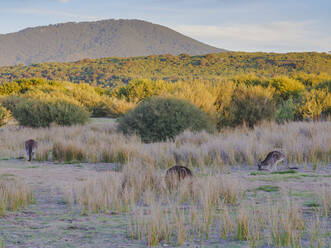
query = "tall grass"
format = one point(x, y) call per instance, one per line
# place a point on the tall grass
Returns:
point(302, 142)
point(196, 210)
point(14, 195)
point(325, 193)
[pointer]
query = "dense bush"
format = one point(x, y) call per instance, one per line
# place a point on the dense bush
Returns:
point(248, 106)
point(138, 90)
point(287, 87)
point(315, 102)
point(4, 115)
point(10, 102)
point(285, 111)
point(217, 97)
point(158, 119)
point(37, 113)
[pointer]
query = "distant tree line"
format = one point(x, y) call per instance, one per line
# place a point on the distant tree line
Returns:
point(111, 72)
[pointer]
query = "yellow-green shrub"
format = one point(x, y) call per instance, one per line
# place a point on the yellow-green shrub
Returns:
point(37, 113)
point(141, 89)
point(316, 101)
point(287, 87)
point(202, 94)
point(248, 106)
point(4, 115)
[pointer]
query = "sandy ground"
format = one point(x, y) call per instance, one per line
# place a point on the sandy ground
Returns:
point(52, 223)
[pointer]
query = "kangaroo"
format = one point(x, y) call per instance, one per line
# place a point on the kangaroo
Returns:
point(272, 160)
point(176, 174)
point(30, 147)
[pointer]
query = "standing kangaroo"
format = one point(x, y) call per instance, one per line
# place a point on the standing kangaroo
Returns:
point(176, 174)
point(30, 147)
point(272, 160)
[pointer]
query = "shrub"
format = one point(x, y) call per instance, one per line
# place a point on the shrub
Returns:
point(4, 115)
point(249, 105)
point(112, 107)
point(315, 102)
point(139, 90)
point(285, 111)
point(10, 102)
point(37, 113)
point(202, 94)
point(287, 87)
point(158, 119)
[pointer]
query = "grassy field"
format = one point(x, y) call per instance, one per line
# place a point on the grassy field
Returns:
point(93, 187)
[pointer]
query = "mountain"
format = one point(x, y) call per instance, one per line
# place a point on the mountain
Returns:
point(73, 41)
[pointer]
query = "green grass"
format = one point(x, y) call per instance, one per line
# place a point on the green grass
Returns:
point(312, 204)
point(102, 120)
point(7, 176)
point(313, 175)
point(301, 194)
point(276, 178)
point(284, 172)
point(267, 188)
point(257, 173)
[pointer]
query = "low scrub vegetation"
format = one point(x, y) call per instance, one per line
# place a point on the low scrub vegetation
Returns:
point(248, 106)
point(4, 116)
point(37, 113)
point(240, 100)
point(159, 119)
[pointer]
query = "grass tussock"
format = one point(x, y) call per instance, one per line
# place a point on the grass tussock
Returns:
point(197, 210)
point(14, 195)
point(325, 193)
point(156, 213)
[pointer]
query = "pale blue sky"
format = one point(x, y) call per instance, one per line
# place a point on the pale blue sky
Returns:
point(240, 25)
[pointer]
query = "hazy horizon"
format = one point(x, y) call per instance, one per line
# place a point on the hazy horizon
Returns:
point(239, 25)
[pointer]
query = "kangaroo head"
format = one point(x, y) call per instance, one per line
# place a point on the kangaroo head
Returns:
point(259, 164)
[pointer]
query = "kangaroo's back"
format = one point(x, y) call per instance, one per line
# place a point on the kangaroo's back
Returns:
point(30, 147)
point(273, 157)
point(176, 174)
point(271, 160)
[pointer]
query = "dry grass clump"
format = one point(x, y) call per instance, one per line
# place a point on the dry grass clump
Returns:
point(286, 225)
point(115, 192)
point(325, 193)
point(14, 195)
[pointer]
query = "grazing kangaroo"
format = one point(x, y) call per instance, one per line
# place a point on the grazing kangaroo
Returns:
point(271, 161)
point(30, 147)
point(176, 174)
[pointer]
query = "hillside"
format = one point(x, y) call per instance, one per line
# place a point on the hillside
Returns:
point(114, 71)
point(74, 41)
